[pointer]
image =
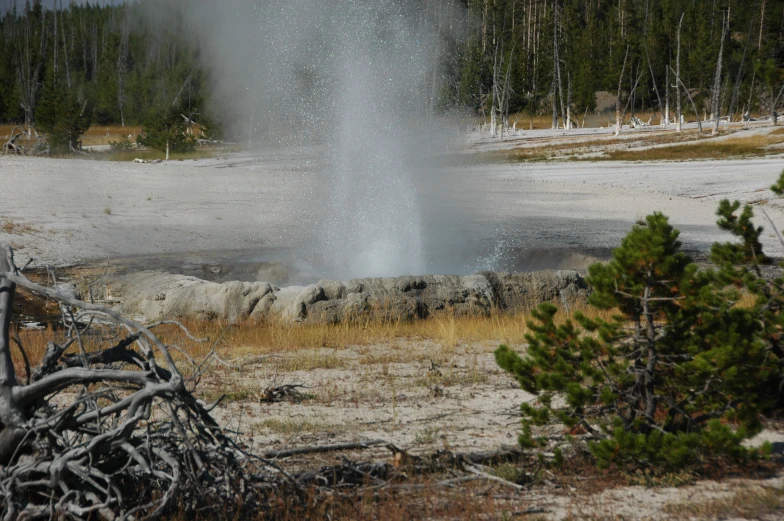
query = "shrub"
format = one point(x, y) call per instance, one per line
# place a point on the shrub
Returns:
point(123, 145)
point(682, 372)
point(167, 129)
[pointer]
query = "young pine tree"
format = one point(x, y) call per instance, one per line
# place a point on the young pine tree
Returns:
point(62, 116)
point(681, 373)
point(167, 129)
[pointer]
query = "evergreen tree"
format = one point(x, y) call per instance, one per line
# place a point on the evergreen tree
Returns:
point(62, 116)
point(682, 372)
point(167, 131)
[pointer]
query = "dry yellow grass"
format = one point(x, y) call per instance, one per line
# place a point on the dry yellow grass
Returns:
point(446, 330)
point(12, 227)
point(104, 134)
point(303, 341)
point(582, 149)
point(756, 145)
point(95, 135)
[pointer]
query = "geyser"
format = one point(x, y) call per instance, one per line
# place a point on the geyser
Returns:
point(357, 77)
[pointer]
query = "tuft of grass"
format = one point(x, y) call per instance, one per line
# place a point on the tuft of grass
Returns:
point(231, 391)
point(652, 480)
point(510, 472)
point(427, 436)
point(14, 228)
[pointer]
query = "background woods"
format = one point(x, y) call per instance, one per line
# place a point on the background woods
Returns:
point(118, 60)
point(496, 57)
point(563, 51)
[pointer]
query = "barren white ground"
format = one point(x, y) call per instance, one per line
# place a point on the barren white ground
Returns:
point(66, 211)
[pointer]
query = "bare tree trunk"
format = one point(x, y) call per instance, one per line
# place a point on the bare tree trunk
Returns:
point(484, 28)
point(736, 89)
point(65, 47)
point(653, 78)
point(648, 57)
point(557, 60)
point(693, 105)
point(679, 114)
point(494, 107)
point(122, 66)
point(28, 72)
point(11, 416)
point(774, 115)
point(747, 112)
point(716, 101)
point(618, 122)
point(555, 73)
point(762, 25)
point(56, 51)
point(569, 101)
point(667, 96)
point(436, 61)
point(506, 91)
point(95, 53)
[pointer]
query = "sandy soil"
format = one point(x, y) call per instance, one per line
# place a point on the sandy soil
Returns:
point(425, 396)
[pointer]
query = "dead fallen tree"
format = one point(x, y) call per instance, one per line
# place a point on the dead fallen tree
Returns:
point(106, 426)
point(10, 146)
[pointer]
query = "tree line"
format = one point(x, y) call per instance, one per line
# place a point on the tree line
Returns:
point(115, 63)
point(539, 56)
point(119, 65)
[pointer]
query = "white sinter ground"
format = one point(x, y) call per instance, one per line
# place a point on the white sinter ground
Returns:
point(68, 211)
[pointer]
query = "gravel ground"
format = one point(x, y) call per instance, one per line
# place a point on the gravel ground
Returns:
point(260, 206)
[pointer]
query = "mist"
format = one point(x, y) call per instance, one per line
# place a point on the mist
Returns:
point(357, 78)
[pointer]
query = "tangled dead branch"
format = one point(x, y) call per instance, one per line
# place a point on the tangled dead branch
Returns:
point(108, 432)
point(106, 426)
point(10, 146)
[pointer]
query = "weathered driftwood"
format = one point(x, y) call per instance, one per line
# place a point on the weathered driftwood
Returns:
point(114, 433)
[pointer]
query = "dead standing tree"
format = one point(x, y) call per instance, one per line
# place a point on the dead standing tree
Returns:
point(618, 115)
point(678, 113)
point(665, 119)
point(107, 434)
point(501, 91)
point(679, 84)
point(716, 99)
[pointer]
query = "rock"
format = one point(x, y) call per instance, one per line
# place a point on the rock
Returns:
point(161, 295)
point(158, 295)
point(334, 289)
point(407, 298)
point(521, 291)
point(69, 290)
